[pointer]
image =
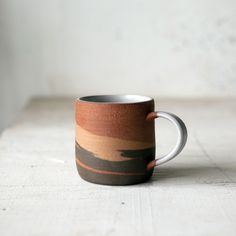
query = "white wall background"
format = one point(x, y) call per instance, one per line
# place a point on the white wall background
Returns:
point(18, 59)
point(184, 48)
point(161, 48)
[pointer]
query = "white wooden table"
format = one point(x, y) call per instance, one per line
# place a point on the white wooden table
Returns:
point(195, 194)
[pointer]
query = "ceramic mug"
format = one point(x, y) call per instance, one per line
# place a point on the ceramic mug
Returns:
point(115, 138)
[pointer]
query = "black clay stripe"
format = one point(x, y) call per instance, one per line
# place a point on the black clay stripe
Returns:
point(105, 172)
point(141, 153)
point(138, 164)
point(112, 179)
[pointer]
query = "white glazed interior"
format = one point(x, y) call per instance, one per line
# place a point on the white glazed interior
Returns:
point(115, 98)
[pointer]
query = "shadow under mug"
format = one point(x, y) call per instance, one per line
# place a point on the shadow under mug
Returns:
point(115, 138)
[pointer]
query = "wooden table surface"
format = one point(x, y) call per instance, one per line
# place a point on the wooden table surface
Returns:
point(195, 194)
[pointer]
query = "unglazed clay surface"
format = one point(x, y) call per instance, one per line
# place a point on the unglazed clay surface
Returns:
point(114, 142)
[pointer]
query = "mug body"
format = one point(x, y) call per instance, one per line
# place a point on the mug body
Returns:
point(114, 141)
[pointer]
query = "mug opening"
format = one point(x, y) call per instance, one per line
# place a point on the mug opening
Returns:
point(124, 99)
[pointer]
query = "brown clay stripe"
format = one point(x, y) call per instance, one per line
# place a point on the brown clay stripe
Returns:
point(123, 121)
point(104, 171)
point(107, 148)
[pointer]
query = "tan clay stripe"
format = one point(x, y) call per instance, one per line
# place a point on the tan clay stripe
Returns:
point(107, 148)
point(104, 171)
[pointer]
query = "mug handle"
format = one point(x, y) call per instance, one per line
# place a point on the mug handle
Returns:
point(181, 140)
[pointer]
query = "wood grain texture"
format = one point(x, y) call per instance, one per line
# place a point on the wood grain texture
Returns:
point(42, 194)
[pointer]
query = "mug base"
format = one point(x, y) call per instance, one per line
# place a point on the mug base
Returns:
point(114, 180)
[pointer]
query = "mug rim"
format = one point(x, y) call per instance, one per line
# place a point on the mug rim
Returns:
point(115, 99)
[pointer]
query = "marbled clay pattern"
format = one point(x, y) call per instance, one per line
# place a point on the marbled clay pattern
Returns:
point(114, 142)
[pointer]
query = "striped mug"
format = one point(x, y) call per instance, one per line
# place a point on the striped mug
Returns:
point(115, 138)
